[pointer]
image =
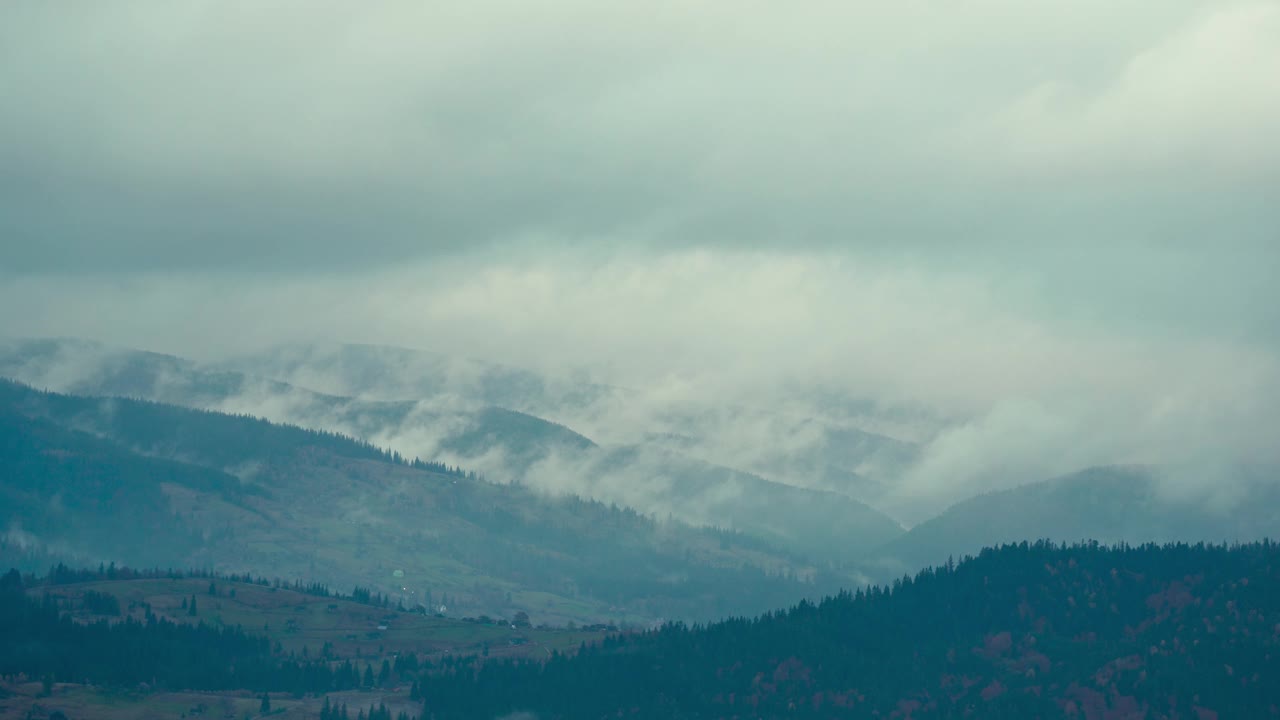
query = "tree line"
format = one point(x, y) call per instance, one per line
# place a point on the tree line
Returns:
point(1032, 630)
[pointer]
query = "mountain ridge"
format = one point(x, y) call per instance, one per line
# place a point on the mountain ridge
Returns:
point(563, 558)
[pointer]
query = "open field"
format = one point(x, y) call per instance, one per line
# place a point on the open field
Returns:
point(310, 624)
point(295, 623)
point(22, 700)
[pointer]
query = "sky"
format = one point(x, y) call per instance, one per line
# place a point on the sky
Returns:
point(1057, 221)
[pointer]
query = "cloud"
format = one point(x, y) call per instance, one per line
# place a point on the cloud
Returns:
point(1028, 235)
point(738, 350)
point(1198, 104)
point(698, 323)
point(318, 136)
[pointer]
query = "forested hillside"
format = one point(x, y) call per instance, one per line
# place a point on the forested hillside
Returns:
point(1024, 631)
point(98, 480)
point(460, 411)
point(1032, 630)
point(67, 489)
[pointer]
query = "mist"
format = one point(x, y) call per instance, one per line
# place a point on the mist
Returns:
point(992, 392)
point(1016, 244)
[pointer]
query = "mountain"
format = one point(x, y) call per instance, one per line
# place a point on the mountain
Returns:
point(88, 368)
point(824, 526)
point(452, 423)
point(1107, 504)
point(145, 483)
point(790, 445)
point(379, 372)
point(68, 488)
point(1022, 632)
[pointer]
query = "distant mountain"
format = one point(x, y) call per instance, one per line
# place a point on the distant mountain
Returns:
point(797, 451)
point(800, 486)
point(378, 372)
point(90, 368)
point(787, 445)
point(1020, 632)
point(145, 483)
point(1107, 504)
point(456, 430)
point(503, 444)
point(824, 526)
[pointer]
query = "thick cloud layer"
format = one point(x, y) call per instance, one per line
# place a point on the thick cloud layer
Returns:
point(300, 134)
point(1000, 394)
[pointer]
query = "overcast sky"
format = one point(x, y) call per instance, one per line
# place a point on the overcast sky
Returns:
point(979, 205)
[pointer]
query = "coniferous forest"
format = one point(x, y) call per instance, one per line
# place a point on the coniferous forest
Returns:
point(1023, 631)
point(1031, 630)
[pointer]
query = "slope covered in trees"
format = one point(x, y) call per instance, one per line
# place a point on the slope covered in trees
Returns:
point(67, 484)
point(466, 419)
point(147, 484)
point(1023, 631)
point(203, 437)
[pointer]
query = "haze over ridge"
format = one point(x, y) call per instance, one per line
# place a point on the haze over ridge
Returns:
point(1050, 227)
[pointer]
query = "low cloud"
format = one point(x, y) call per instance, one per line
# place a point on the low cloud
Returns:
point(1023, 238)
point(748, 358)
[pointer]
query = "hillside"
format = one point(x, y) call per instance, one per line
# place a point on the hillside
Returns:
point(1025, 631)
point(66, 489)
point(84, 368)
point(241, 494)
point(453, 419)
point(817, 444)
point(825, 526)
point(82, 643)
point(1107, 504)
point(310, 621)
